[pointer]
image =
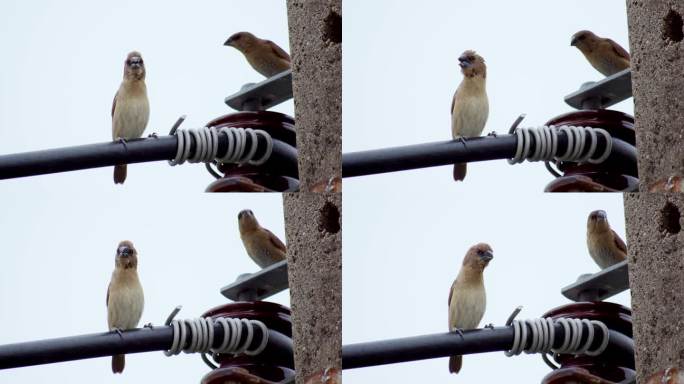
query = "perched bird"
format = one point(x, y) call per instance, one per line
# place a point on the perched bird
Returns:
point(125, 298)
point(470, 106)
point(261, 245)
point(605, 55)
point(467, 297)
point(131, 109)
point(605, 246)
point(265, 56)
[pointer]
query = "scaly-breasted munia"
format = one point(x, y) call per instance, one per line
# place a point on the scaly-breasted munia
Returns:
point(470, 106)
point(131, 109)
point(125, 299)
point(261, 245)
point(605, 55)
point(265, 56)
point(605, 246)
point(467, 297)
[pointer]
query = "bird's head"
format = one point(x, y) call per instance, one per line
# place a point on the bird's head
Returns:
point(126, 255)
point(479, 256)
point(598, 220)
point(584, 40)
point(472, 64)
point(134, 68)
point(241, 41)
point(247, 220)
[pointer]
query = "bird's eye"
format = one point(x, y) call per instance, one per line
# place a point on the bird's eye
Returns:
point(480, 252)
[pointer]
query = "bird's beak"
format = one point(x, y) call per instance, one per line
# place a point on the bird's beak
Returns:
point(228, 42)
point(124, 251)
point(487, 256)
point(464, 62)
point(573, 42)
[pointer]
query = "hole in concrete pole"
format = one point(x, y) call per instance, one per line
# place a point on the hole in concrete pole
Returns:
point(333, 27)
point(672, 27)
point(669, 219)
point(329, 220)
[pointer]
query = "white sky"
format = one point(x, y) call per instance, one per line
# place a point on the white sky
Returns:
point(62, 63)
point(405, 233)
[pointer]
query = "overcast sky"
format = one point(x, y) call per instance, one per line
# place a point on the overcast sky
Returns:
point(62, 63)
point(405, 233)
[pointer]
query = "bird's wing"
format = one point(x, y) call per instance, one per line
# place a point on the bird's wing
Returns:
point(451, 292)
point(107, 301)
point(618, 49)
point(618, 242)
point(278, 51)
point(453, 100)
point(275, 241)
point(114, 103)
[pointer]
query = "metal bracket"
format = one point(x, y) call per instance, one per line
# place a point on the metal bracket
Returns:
point(604, 93)
point(263, 95)
point(258, 285)
point(600, 285)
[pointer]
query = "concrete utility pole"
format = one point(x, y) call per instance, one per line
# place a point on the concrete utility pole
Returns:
point(657, 56)
point(316, 47)
point(654, 222)
point(313, 220)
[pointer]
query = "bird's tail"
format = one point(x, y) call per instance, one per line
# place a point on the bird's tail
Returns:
point(455, 363)
point(118, 362)
point(119, 173)
point(460, 171)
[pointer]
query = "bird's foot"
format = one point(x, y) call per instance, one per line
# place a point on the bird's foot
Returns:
point(463, 140)
point(459, 331)
point(490, 326)
point(493, 134)
point(123, 141)
point(153, 134)
point(117, 330)
point(148, 325)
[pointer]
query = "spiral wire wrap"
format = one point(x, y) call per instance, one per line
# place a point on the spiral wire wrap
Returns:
point(538, 336)
point(544, 140)
point(198, 334)
point(240, 150)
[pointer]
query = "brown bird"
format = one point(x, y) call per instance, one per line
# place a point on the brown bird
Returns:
point(605, 55)
point(265, 56)
point(605, 246)
point(131, 109)
point(261, 245)
point(125, 299)
point(467, 297)
point(470, 106)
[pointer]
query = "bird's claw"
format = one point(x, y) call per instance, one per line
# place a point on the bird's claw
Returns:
point(117, 330)
point(148, 325)
point(459, 331)
point(490, 326)
point(493, 134)
point(123, 142)
point(463, 141)
point(153, 134)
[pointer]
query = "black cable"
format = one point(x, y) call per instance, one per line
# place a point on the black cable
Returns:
point(620, 347)
point(283, 160)
point(623, 155)
point(278, 350)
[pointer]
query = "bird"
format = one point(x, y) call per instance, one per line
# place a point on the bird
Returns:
point(125, 298)
point(605, 246)
point(265, 56)
point(262, 245)
point(470, 106)
point(467, 297)
point(605, 55)
point(131, 108)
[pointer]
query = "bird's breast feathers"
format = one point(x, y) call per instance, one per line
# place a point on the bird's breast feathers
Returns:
point(131, 113)
point(469, 115)
point(467, 307)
